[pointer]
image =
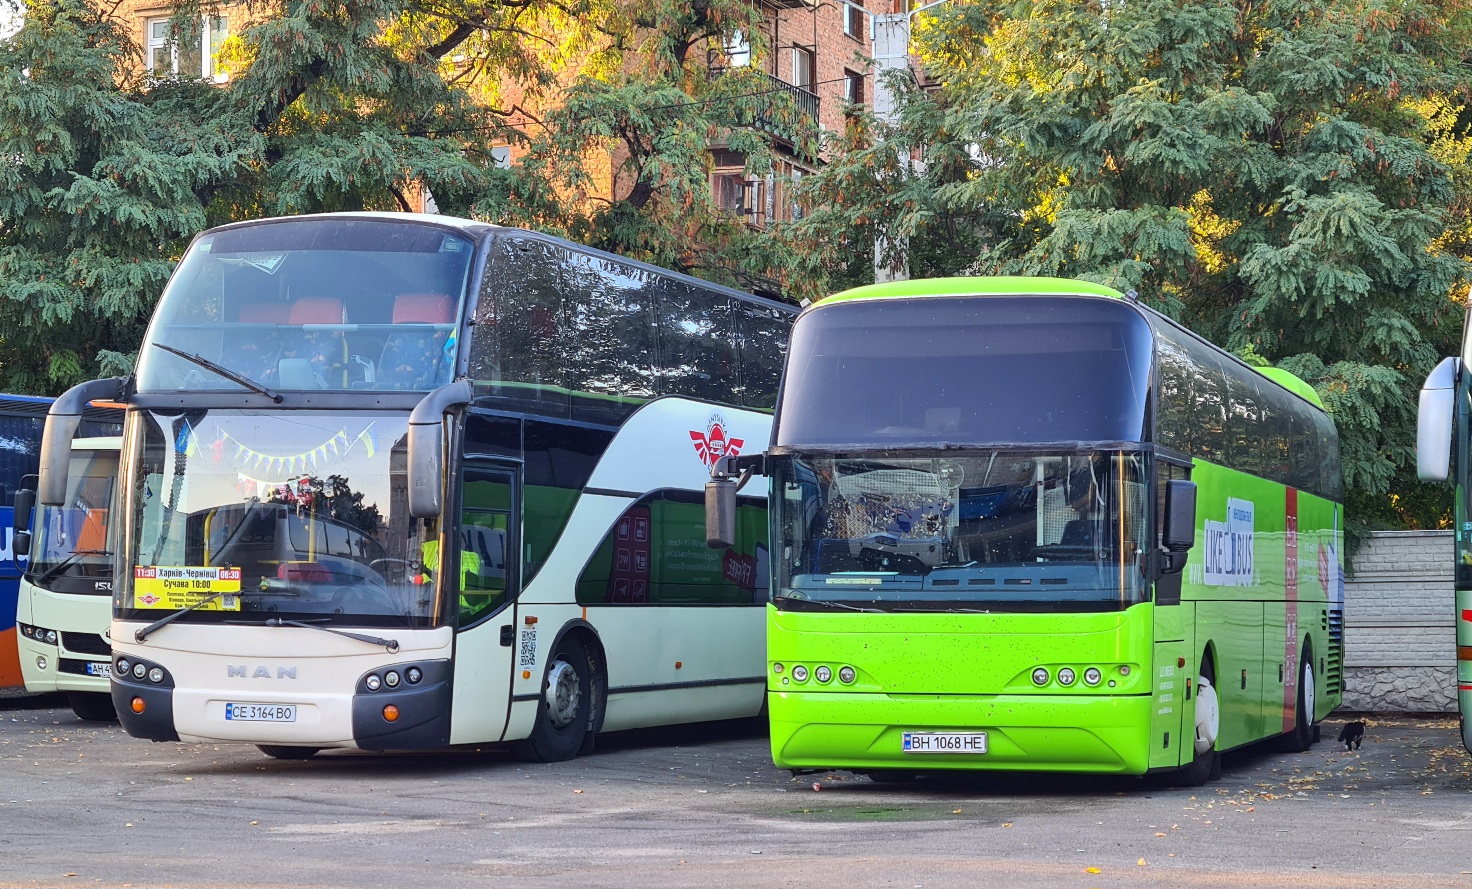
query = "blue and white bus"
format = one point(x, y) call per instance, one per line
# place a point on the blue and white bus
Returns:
point(22, 420)
point(400, 481)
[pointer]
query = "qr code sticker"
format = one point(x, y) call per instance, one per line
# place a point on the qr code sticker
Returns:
point(528, 648)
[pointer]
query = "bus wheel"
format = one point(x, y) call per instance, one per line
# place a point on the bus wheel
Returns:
point(1302, 736)
point(1207, 764)
point(563, 708)
point(279, 751)
point(92, 706)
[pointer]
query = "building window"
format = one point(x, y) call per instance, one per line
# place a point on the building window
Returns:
point(853, 21)
point(802, 68)
point(738, 51)
point(853, 87)
point(194, 57)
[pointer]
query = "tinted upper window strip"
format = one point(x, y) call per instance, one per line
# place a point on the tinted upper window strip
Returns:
point(1188, 423)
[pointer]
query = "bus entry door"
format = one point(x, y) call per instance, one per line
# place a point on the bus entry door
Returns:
point(485, 588)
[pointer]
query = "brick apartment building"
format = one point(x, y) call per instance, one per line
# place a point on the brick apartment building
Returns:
point(817, 51)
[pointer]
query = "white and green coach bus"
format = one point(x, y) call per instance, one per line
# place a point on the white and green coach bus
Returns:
point(399, 481)
point(1443, 451)
point(1031, 524)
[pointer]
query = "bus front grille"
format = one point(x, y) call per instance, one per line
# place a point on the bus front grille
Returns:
point(86, 643)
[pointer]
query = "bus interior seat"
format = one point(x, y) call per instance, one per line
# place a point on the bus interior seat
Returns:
point(257, 349)
point(313, 359)
point(414, 357)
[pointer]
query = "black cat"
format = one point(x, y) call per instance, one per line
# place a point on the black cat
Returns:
point(1351, 735)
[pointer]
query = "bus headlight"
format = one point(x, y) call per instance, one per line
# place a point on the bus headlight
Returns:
point(156, 675)
point(823, 674)
point(846, 675)
point(139, 671)
point(1066, 676)
point(373, 682)
point(413, 674)
point(41, 662)
point(391, 679)
point(1040, 676)
point(777, 668)
point(800, 673)
point(1092, 676)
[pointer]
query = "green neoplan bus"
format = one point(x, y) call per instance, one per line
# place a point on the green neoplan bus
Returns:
point(1031, 524)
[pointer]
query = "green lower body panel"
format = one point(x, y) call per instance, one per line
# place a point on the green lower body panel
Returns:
point(1055, 733)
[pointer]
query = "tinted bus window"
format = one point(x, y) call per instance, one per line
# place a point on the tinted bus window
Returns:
point(522, 342)
point(967, 370)
point(697, 343)
point(1174, 374)
point(1244, 419)
point(611, 320)
point(763, 346)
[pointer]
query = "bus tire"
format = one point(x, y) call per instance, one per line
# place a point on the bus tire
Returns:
point(1301, 738)
point(1207, 764)
point(564, 707)
point(281, 751)
point(92, 706)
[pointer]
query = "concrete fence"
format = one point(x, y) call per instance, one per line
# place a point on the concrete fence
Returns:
point(1399, 625)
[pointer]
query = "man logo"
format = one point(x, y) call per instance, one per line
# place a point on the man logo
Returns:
point(242, 671)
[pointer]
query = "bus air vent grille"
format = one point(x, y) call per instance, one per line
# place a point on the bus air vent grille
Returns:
point(86, 643)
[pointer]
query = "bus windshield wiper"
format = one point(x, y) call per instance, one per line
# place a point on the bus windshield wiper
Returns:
point(144, 632)
point(392, 645)
point(54, 570)
point(829, 603)
point(223, 371)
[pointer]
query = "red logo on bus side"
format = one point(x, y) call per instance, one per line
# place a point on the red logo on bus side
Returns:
point(715, 443)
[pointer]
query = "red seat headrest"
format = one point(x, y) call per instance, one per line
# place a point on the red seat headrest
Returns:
point(423, 308)
point(264, 313)
point(316, 310)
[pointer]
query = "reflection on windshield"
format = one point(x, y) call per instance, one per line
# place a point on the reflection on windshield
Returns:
point(312, 304)
point(998, 530)
point(290, 515)
point(72, 540)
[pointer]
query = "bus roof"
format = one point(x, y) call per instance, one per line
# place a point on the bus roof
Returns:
point(978, 286)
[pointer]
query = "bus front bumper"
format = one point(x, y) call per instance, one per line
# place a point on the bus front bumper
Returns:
point(420, 714)
point(62, 670)
point(1096, 734)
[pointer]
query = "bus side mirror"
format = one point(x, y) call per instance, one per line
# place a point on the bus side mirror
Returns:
point(62, 420)
point(25, 501)
point(727, 476)
point(20, 544)
point(1434, 422)
point(426, 469)
point(720, 513)
point(1180, 524)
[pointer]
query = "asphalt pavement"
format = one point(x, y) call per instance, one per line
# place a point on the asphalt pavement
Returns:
point(84, 805)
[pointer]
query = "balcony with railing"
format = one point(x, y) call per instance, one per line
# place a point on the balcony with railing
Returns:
point(772, 104)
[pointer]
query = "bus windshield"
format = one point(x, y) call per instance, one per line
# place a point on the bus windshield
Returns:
point(294, 515)
point(333, 303)
point(992, 531)
point(985, 370)
point(72, 542)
